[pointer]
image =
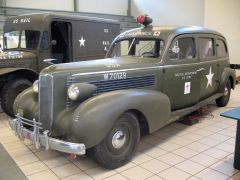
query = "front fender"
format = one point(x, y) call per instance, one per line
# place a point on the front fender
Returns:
point(27, 104)
point(10, 70)
point(226, 74)
point(94, 118)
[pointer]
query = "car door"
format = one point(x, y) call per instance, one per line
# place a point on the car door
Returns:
point(181, 78)
point(209, 66)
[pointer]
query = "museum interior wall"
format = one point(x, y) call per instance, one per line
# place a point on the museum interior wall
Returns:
point(66, 5)
point(118, 7)
point(171, 12)
point(224, 16)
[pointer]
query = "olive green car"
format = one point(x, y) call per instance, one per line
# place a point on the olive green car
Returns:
point(151, 77)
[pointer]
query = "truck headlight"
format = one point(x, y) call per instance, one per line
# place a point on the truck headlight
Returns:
point(73, 92)
point(35, 86)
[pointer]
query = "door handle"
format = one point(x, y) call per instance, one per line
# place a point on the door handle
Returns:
point(201, 69)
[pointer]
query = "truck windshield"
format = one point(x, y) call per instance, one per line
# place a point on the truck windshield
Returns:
point(26, 39)
point(137, 47)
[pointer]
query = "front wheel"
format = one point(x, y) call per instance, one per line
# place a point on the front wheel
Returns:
point(117, 147)
point(10, 92)
point(223, 100)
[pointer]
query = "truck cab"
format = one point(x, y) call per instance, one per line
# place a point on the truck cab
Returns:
point(35, 41)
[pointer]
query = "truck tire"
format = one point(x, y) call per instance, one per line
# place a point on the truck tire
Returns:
point(10, 92)
point(117, 148)
point(223, 100)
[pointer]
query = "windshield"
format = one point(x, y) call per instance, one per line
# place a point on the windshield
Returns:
point(26, 39)
point(138, 47)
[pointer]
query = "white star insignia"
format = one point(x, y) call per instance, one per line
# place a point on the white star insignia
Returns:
point(209, 77)
point(82, 41)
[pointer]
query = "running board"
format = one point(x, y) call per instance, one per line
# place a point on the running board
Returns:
point(235, 66)
point(175, 115)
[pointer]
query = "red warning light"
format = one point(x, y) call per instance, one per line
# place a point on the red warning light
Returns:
point(144, 20)
point(141, 19)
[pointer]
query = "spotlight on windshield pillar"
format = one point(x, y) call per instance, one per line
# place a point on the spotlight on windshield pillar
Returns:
point(144, 20)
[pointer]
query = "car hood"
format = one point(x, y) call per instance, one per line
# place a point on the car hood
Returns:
point(109, 64)
point(9, 55)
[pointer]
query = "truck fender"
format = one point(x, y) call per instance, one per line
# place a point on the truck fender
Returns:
point(30, 72)
point(94, 118)
point(227, 74)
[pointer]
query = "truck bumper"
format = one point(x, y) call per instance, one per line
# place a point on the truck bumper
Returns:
point(43, 140)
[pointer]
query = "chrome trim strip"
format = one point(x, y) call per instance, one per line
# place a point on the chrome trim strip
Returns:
point(146, 68)
point(44, 140)
point(119, 70)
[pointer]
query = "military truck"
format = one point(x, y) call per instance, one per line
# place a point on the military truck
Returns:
point(33, 42)
point(151, 77)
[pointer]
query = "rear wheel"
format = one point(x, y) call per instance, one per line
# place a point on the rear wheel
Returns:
point(10, 92)
point(223, 100)
point(117, 147)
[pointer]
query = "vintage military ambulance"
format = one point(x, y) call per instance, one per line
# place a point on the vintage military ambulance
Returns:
point(151, 77)
point(35, 41)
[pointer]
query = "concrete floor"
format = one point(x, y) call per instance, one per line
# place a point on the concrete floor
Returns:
point(201, 151)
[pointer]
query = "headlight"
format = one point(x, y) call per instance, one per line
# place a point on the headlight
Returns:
point(73, 92)
point(35, 86)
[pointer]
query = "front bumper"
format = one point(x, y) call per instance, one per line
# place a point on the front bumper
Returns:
point(43, 139)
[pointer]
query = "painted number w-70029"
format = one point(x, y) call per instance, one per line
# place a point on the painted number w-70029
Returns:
point(115, 75)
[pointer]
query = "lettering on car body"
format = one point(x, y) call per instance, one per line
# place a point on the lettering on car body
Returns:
point(112, 65)
point(115, 75)
point(22, 20)
point(186, 75)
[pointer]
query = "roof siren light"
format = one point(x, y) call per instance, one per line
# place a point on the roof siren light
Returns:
point(144, 20)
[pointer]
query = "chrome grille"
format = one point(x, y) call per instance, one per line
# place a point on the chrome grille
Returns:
point(128, 83)
point(46, 101)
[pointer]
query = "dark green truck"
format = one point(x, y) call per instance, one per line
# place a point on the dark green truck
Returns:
point(33, 42)
point(151, 77)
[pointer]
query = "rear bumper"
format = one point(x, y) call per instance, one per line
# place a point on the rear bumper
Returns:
point(43, 140)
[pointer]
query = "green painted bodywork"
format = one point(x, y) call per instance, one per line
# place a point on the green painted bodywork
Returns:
point(88, 120)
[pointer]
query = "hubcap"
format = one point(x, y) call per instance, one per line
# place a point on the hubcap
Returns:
point(118, 140)
point(226, 91)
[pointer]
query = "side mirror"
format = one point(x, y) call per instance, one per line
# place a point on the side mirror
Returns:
point(53, 43)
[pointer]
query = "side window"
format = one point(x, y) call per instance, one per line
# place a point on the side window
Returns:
point(221, 48)
point(29, 39)
point(137, 47)
point(206, 48)
point(182, 48)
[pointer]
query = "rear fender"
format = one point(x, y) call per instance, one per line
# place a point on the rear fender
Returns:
point(94, 118)
point(227, 74)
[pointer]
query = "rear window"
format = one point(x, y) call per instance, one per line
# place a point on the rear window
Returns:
point(206, 48)
point(221, 48)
